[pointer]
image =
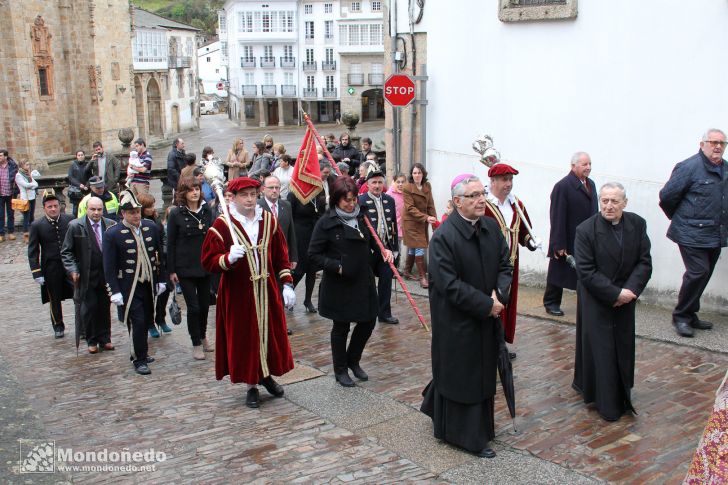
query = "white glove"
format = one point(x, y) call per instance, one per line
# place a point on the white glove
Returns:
point(289, 297)
point(536, 243)
point(237, 251)
point(117, 299)
point(40, 280)
point(161, 288)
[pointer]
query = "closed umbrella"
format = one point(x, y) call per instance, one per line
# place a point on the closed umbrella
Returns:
point(505, 371)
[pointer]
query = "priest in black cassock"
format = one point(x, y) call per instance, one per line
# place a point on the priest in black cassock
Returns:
point(613, 266)
point(470, 276)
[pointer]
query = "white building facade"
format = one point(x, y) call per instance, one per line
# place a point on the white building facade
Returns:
point(211, 71)
point(165, 75)
point(633, 83)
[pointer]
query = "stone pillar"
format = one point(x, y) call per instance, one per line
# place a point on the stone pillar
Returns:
point(261, 110)
point(242, 119)
point(281, 121)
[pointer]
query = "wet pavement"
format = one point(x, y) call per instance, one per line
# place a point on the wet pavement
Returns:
point(321, 432)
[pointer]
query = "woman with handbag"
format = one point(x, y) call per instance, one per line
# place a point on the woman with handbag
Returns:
point(78, 174)
point(187, 225)
point(25, 202)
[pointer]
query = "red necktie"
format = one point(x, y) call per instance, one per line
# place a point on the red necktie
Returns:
point(274, 208)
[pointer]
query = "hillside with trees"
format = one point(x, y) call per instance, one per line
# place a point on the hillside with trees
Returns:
point(201, 14)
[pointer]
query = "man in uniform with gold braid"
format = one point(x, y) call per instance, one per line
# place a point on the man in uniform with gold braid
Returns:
point(134, 274)
point(500, 205)
point(251, 338)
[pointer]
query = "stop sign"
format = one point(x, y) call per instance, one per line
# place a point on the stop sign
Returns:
point(399, 90)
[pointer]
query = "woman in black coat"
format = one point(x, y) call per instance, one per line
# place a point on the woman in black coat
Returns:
point(344, 248)
point(305, 217)
point(187, 225)
point(78, 174)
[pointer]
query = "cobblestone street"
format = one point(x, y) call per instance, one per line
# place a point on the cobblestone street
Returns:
point(320, 432)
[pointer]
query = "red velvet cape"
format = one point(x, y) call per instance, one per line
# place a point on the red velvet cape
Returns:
point(237, 350)
point(508, 316)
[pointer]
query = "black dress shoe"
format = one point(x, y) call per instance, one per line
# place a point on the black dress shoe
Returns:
point(512, 355)
point(701, 325)
point(289, 331)
point(344, 379)
point(142, 369)
point(150, 359)
point(309, 307)
point(59, 333)
point(683, 329)
point(273, 388)
point(359, 372)
point(251, 398)
point(390, 320)
point(486, 453)
point(555, 311)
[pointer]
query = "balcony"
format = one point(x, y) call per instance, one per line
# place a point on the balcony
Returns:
point(249, 90)
point(330, 93)
point(376, 79)
point(356, 79)
point(288, 62)
point(310, 92)
point(309, 66)
point(288, 90)
point(179, 62)
point(267, 62)
point(247, 62)
point(328, 66)
point(268, 89)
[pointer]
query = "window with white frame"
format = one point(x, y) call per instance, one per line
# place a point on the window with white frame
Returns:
point(268, 52)
point(377, 68)
point(248, 53)
point(267, 21)
point(150, 46)
point(268, 78)
point(288, 78)
point(355, 7)
point(308, 9)
point(309, 29)
point(245, 21)
point(360, 34)
point(288, 52)
point(328, 7)
point(364, 34)
point(376, 6)
point(310, 82)
point(354, 35)
point(375, 34)
point(328, 29)
point(355, 68)
point(250, 78)
point(329, 83)
point(209, 59)
point(309, 55)
point(329, 55)
point(224, 48)
point(189, 48)
point(528, 10)
point(222, 22)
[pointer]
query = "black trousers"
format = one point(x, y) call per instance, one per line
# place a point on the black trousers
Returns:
point(699, 266)
point(384, 289)
point(96, 315)
point(552, 296)
point(343, 356)
point(141, 312)
point(160, 308)
point(196, 292)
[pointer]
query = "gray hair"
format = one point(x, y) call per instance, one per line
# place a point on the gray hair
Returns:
point(323, 163)
point(459, 189)
point(614, 185)
point(576, 156)
point(707, 133)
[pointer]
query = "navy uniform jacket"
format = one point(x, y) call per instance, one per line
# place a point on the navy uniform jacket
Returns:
point(369, 209)
point(44, 256)
point(120, 257)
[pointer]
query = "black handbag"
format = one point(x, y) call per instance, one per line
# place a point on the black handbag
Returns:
point(175, 312)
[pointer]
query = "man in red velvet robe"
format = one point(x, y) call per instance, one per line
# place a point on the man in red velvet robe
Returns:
point(252, 342)
point(500, 205)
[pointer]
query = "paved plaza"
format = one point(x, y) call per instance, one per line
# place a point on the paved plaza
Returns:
point(320, 432)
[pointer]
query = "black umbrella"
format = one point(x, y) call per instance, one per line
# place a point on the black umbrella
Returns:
point(505, 371)
point(77, 317)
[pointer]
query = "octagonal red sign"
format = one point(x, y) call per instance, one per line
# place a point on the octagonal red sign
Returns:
point(399, 90)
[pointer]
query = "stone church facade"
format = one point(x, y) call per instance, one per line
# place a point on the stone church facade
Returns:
point(67, 76)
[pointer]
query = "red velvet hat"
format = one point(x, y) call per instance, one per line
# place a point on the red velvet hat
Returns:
point(241, 183)
point(501, 169)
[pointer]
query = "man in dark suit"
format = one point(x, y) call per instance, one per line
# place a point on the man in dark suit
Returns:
point(380, 209)
point(44, 255)
point(573, 200)
point(175, 163)
point(134, 274)
point(271, 201)
point(613, 262)
point(82, 258)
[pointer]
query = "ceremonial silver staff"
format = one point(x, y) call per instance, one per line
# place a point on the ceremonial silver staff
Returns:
point(215, 176)
point(489, 156)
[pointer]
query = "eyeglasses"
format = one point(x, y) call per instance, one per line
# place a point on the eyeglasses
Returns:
point(474, 195)
point(716, 143)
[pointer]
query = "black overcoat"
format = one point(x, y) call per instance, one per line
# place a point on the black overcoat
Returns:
point(571, 205)
point(185, 238)
point(352, 295)
point(605, 335)
point(77, 247)
point(305, 217)
point(44, 256)
point(464, 344)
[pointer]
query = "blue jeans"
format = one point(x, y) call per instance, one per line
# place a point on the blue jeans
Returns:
point(416, 251)
point(29, 216)
point(6, 207)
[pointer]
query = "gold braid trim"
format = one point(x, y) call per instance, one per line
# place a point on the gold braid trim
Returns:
point(222, 264)
point(218, 234)
point(510, 235)
point(284, 272)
